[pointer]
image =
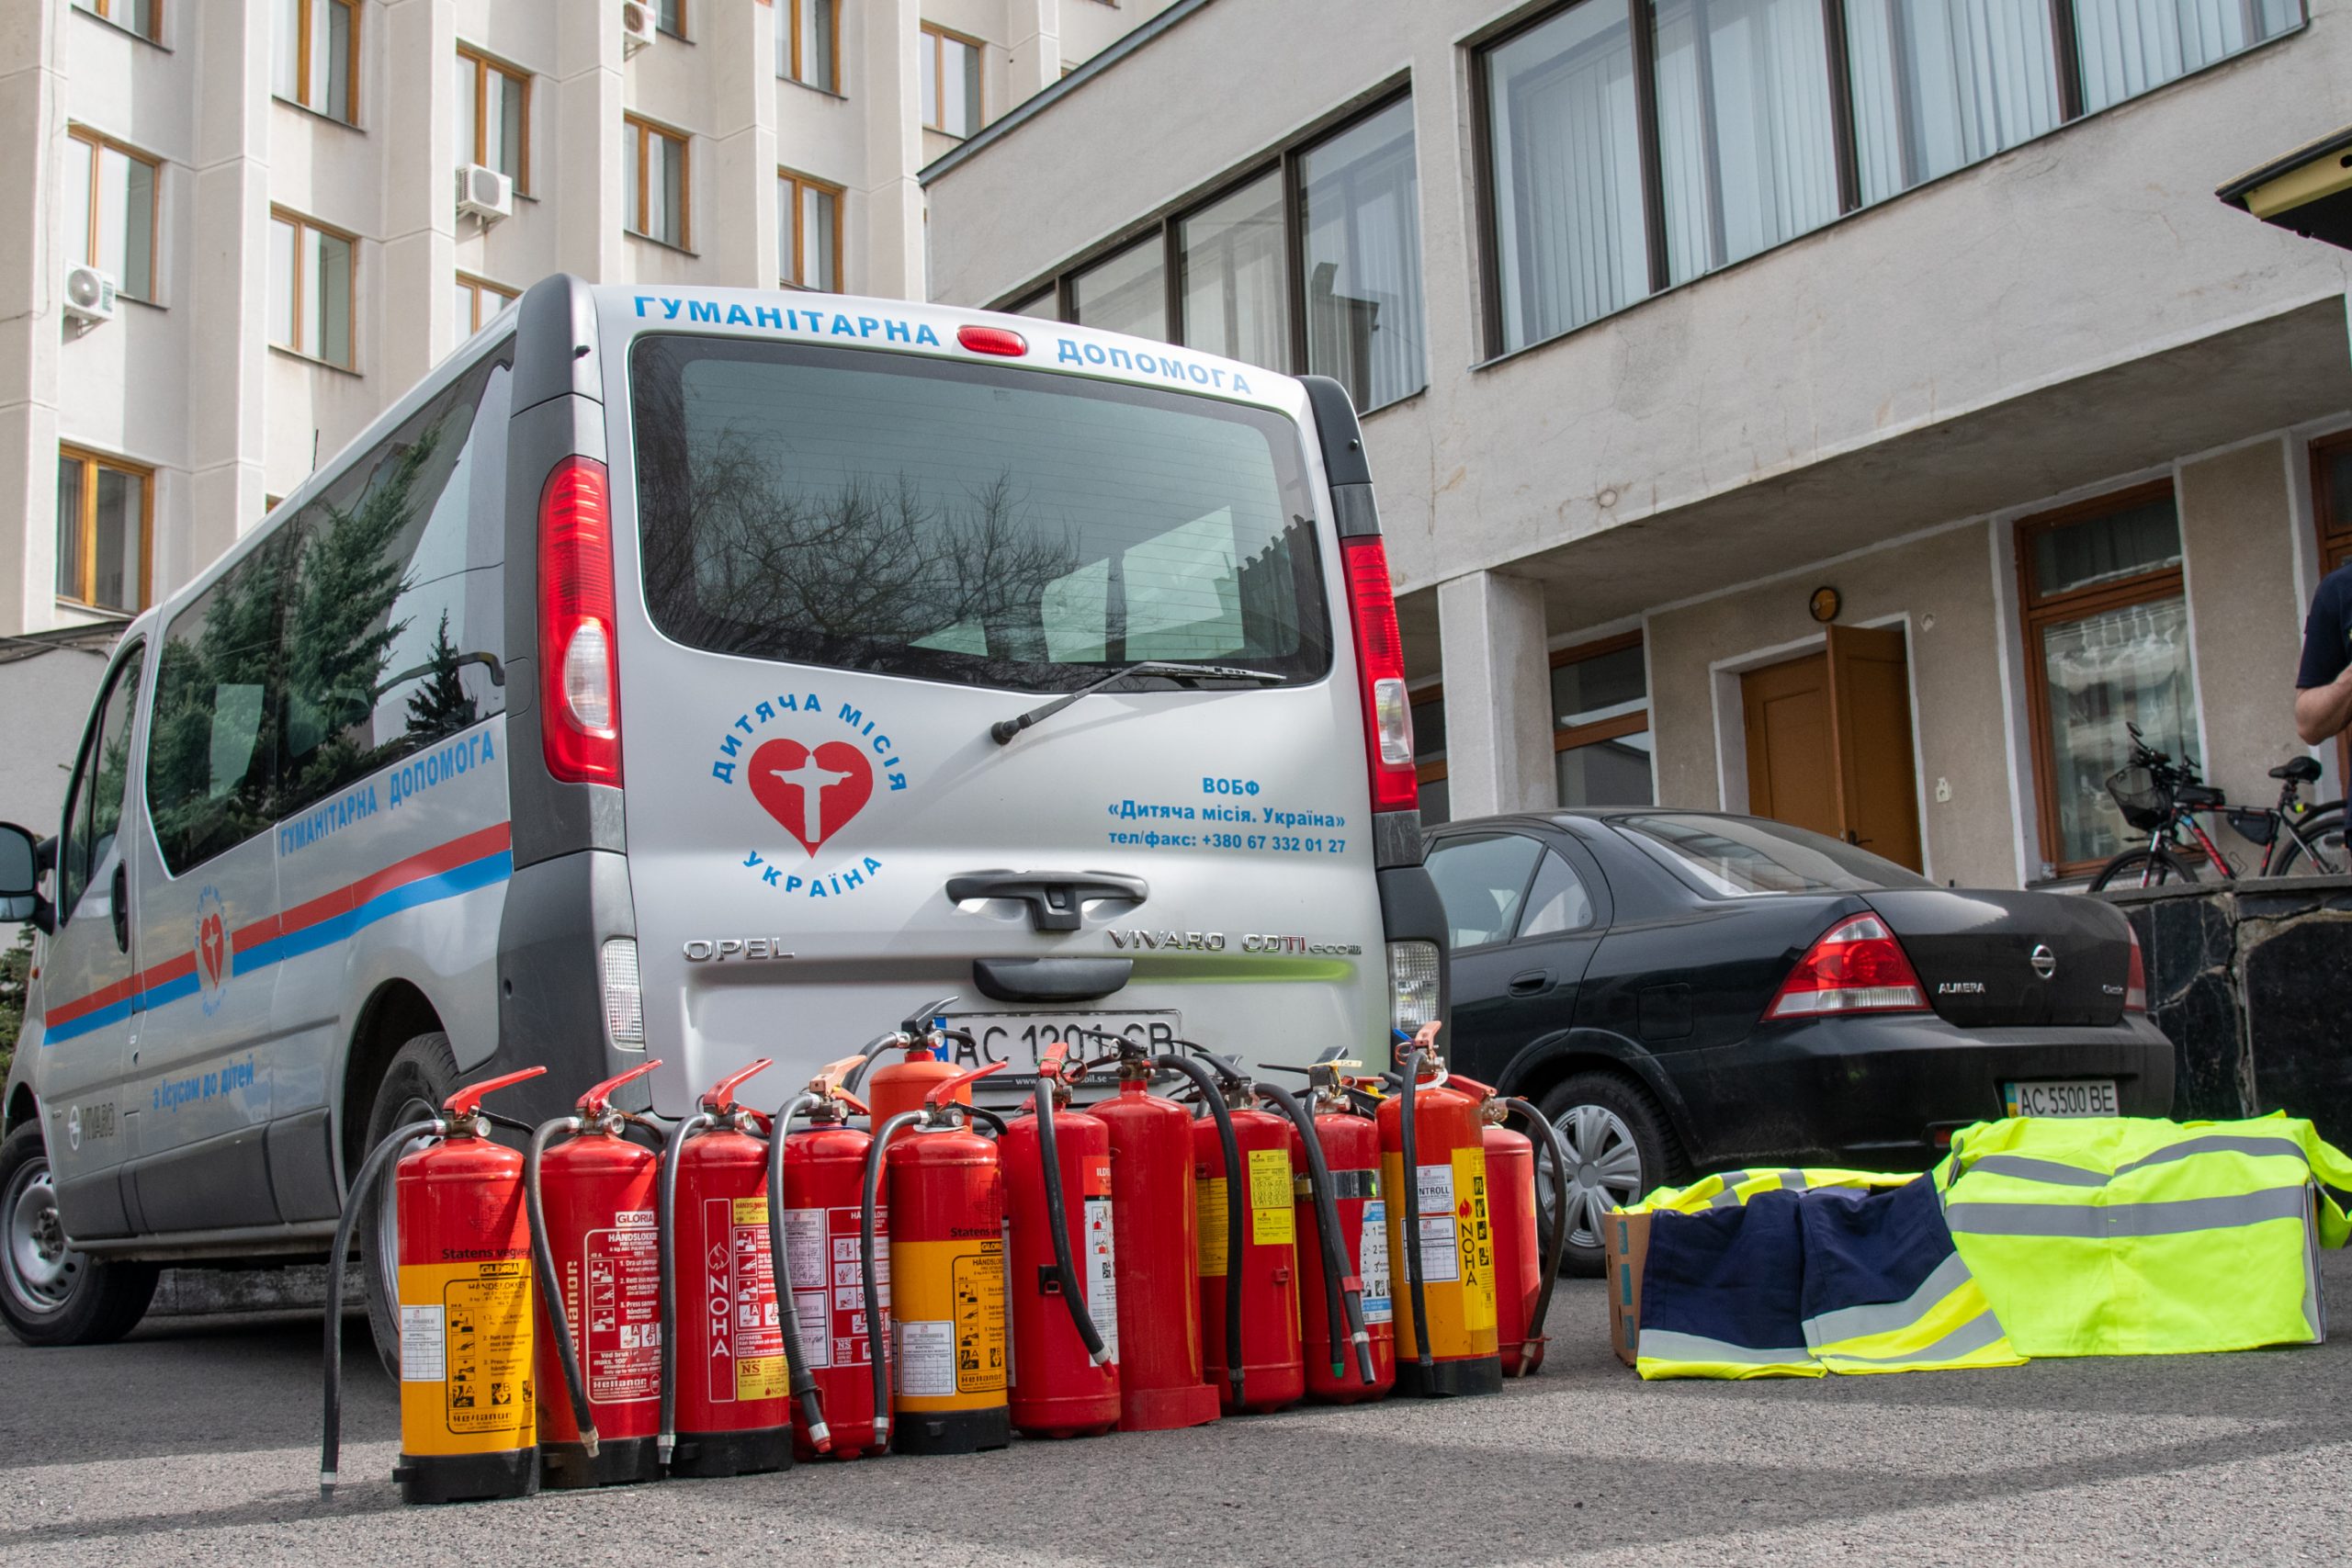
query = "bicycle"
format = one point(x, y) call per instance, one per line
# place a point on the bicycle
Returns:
point(2163, 800)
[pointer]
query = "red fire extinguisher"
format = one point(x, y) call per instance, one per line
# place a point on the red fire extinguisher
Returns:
point(947, 1285)
point(468, 1430)
point(901, 1084)
point(1241, 1183)
point(1433, 1158)
point(1525, 1268)
point(813, 1180)
point(1154, 1233)
point(596, 1250)
point(724, 1379)
point(1065, 1262)
point(1343, 1294)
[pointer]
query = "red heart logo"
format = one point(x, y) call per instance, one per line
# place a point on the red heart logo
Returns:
point(212, 936)
point(812, 794)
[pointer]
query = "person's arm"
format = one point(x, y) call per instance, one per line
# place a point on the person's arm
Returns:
point(2322, 711)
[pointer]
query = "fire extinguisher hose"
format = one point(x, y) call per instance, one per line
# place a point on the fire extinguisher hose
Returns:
point(666, 1219)
point(1409, 1169)
point(355, 1202)
point(1342, 1304)
point(1557, 1242)
point(804, 1380)
point(1237, 1204)
point(550, 1290)
point(1057, 1214)
point(879, 1341)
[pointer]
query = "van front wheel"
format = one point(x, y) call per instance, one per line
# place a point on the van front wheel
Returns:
point(50, 1294)
point(421, 1074)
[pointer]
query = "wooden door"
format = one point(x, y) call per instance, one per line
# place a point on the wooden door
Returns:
point(1791, 772)
point(1869, 707)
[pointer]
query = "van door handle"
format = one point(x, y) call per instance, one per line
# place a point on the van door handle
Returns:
point(119, 895)
point(1055, 897)
point(1529, 982)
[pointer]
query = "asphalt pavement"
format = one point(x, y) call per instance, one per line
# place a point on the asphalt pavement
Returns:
point(194, 1440)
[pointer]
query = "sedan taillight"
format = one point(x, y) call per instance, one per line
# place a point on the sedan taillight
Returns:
point(1857, 966)
point(2135, 984)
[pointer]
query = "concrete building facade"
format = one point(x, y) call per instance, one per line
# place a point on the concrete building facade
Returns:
point(1854, 413)
point(271, 185)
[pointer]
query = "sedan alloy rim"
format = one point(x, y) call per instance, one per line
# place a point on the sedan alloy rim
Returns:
point(1604, 1169)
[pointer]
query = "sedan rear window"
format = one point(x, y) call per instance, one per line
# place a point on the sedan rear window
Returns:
point(978, 524)
point(1738, 857)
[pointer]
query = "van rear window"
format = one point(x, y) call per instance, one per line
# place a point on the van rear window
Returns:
point(976, 523)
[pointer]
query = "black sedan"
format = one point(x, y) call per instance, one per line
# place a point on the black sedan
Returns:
point(1683, 992)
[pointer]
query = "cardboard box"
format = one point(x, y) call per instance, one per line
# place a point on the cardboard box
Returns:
point(1624, 1243)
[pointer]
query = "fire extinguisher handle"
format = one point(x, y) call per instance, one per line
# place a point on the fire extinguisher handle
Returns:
point(463, 1102)
point(947, 1089)
point(599, 1097)
point(720, 1098)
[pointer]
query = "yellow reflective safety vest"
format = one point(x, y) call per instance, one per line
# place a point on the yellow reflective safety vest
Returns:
point(1799, 1272)
point(2133, 1236)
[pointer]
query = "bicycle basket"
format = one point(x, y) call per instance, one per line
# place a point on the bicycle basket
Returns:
point(2144, 799)
point(2253, 827)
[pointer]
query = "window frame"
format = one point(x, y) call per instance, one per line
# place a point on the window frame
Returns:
point(351, 289)
point(86, 527)
point(306, 11)
point(788, 17)
point(799, 184)
point(480, 286)
point(679, 31)
point(2037, 611)
point(936, 39)
point(1837, 53)
point(483, 65)
point(1519, 910)
point(98, 142)
point(104, 11)
point(647, 132)
point(1059, 285)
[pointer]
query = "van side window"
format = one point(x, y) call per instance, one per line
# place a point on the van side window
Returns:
point(94, 812)
point(385, 650)
point(212, 747)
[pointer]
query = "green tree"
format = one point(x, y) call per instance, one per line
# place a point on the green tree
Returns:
point(439, 705)
point(15, 971)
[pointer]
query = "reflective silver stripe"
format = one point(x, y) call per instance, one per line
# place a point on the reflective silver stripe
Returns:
point(1727, 1199)
point(1793, 1181)
point(2027, 1168)
point(1664, 1345)
point(1859, 1321)
point(1968, 1337)
point(2090, 1223)
point(2315, 1310)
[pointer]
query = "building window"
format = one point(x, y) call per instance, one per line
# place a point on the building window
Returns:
point(951, 82)
point(808, 44)
point(311, 288)
point(105, 541)
point(2129, 47)
point(479, 302)
point(655, 179)
point(2107, 645)
point(1344, 206)
point(669, 17)
point(2331, 504)
point(317, 63)
point(144, 17)
point(1127, 293)
point(1600, 723)
point(113, 226)
point(807, 232)
point(1428, 754)
point(1941, 83)
point(494, 116)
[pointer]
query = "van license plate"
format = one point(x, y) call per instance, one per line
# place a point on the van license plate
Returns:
point(1016, 1038)
point(2067, 1097)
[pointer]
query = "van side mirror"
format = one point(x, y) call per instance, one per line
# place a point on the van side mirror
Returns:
point(21, 864)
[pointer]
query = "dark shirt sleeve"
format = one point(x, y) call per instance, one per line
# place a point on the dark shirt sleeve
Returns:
point(2325, 646)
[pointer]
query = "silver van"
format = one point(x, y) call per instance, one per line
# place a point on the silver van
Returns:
point(710, 674)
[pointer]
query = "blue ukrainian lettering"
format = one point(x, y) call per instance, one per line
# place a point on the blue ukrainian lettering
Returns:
point(725, 774)
point(850, 878)
point(1122, 360)
point(1241, 382)
point(881, 745)
point(1199, 373)
point(897, 331)
point(841, 327)
point(924, 334)
point(642, 302)
point(1095, 354)
point(738, 317)
point(853, 716)
point(730, 745)
point(669, 309)
point(703, 310)
point(872, 865)
point(754, 859)
point(1218, 376)
point(767, 712)
point(770, 317)
point(897, 781)
point(772, 873)
point(792, 885)
point(744, 722)
point(866, 326)
point(1067, 351)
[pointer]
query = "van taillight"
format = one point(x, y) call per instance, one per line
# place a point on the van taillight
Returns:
point(579, 699)
point(1380, 664)
point(1857, 966)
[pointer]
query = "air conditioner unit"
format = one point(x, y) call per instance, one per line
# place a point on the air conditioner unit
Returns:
point(637, 26)
point(484, 193)
point(89, 296)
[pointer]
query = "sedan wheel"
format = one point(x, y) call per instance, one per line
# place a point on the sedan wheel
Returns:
point(1604, 1168)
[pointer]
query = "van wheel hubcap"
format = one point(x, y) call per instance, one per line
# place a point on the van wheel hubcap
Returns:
point(42, 1270)
point(1604, 1169)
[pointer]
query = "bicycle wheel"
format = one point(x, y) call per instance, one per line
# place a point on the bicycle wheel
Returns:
point(2324, 831)
point(2142, 868)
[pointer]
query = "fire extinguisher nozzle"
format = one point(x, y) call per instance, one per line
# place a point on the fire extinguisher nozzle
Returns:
point(327, 1482)
point(820, 1436)
point(588, 1440)
point(664, 1444)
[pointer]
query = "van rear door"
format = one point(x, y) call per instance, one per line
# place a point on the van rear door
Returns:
point(840, 567)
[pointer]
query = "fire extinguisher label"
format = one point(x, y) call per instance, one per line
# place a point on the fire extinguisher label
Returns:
point(1208, 1213)
point(822, 1249)
point(1101, 1272)
point(1475, 1240)
point(958, 1346)
point(619, 1324)
point(1273, 1219)
point(981, 1338)
point(926, 1361)
point(1372, 1266)
point(738, 1302)
point(1441, 1259)
point(465, 1353)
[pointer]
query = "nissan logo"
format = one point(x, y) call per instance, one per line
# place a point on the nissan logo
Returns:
point(2045, 963)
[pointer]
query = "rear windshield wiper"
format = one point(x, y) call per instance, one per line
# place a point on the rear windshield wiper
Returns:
point(1005, 729)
